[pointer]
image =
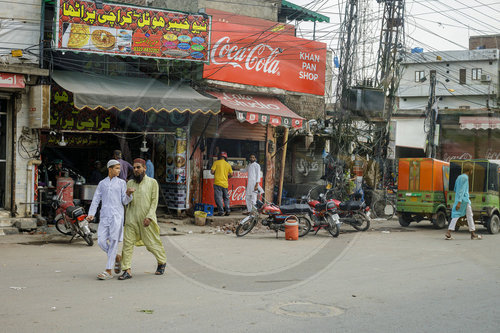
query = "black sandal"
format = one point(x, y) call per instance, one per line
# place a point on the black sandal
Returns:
point(125, 276)
point(160, 269)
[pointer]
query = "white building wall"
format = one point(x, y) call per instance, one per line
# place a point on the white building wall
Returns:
point(20, 30)
point(28, 140)
point(474, 94)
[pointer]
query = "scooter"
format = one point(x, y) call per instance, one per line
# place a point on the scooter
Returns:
point(276, 218)
point(71, 220)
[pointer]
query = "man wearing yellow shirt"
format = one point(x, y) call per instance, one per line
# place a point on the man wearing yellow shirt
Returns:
point(222, 171)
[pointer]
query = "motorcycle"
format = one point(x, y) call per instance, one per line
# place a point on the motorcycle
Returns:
point(71, 220)
point(323, 216)
point(276, 218)
point(353, 212)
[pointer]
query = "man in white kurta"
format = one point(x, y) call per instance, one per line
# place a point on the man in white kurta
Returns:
point(253, 188)
point(112, 192)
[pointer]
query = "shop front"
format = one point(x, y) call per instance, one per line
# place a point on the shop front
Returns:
point(93, 115)
point(246, 126)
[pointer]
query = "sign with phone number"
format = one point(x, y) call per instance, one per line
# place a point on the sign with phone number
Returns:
point(131, 31)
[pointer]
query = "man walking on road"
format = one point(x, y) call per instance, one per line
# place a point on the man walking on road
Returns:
point(462, 205)
point(112, 192)
point(141, 226)
point(222, 171)
point(253, 179)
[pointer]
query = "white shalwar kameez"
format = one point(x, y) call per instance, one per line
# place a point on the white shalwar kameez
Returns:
point(253, 170)
point(112, 193)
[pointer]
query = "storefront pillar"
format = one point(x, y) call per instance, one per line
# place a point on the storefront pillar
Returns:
point(282, 165)
point(270, 163)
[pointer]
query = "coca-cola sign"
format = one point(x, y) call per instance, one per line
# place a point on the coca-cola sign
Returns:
point(243, 54)
point(261, 57)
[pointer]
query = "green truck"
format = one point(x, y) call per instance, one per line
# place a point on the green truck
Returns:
point(422, 186)
point(483, 192)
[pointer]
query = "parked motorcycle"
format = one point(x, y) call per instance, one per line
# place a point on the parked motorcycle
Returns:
point(323, 216)
point(276, 218)
point(353, 212)
point(71, 220)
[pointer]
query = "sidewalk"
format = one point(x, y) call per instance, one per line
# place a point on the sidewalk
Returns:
point(170, 226)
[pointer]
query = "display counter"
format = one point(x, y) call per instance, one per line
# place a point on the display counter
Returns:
point(236, 189)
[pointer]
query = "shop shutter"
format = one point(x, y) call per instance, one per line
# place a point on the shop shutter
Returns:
point(233, 129)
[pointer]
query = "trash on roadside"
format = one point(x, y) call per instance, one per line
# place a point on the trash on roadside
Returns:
point(147, 311)
point(57, 271)
point(17, 288)
point(53, 308)
point(190, 232)
point(386, 232)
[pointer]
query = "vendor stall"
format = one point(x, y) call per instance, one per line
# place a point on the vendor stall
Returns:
point(236, 189)
point(92, 115)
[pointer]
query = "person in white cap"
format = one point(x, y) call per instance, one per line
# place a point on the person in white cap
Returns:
point(112, 192)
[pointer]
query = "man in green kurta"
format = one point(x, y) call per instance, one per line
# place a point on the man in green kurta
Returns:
point(141, 226)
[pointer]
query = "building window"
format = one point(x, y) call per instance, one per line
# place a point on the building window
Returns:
point(462, 76)
point(419, 76)
point(476, 73)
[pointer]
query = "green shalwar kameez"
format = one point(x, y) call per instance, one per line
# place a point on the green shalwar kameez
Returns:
point(135, 233)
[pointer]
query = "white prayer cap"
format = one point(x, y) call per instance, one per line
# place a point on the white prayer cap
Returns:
point(112, 162)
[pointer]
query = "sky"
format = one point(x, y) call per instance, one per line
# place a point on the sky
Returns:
point(431, 24)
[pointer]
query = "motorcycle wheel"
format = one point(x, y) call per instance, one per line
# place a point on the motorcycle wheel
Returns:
point(363, 222)
point(63, 228)
point(333, 228)
point(304, 226)
point(246, 227)
point(88, 239)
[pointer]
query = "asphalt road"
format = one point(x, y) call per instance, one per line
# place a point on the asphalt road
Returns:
point(387, 279)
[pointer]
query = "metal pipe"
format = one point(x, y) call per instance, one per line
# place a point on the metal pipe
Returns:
point(29, 181)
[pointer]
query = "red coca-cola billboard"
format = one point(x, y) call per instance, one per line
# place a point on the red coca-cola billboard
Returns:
point(246, 55)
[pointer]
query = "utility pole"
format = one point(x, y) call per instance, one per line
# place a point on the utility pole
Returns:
point(431, 113)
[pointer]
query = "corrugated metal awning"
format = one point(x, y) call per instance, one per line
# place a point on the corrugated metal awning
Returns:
point(479, 123)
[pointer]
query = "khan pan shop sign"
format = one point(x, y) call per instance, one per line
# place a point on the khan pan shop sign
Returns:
point(131, 31)
point(242, 54)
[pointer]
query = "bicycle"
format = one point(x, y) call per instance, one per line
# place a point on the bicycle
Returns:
point(385, 206)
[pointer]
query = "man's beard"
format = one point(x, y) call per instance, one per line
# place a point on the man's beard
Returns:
point(138, 178)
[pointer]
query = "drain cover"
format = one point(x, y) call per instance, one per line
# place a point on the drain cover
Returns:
point(307, 310)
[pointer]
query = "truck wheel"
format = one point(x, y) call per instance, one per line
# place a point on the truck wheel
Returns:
point(405, 219)
point(440, 220)
point(493, 224)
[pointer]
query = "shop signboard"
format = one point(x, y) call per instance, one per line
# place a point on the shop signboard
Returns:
point(64, 116)
point(246, 55)
point(131, 31)
point(9, 80)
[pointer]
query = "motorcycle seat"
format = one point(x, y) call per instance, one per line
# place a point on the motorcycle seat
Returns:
point(74, 211)
point(296, 208)
point(351, 205)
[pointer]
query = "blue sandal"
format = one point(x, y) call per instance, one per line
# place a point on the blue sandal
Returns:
point(160, 269)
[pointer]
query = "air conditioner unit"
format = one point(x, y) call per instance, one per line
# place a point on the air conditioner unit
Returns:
point(39, 106)
point(485, 78)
